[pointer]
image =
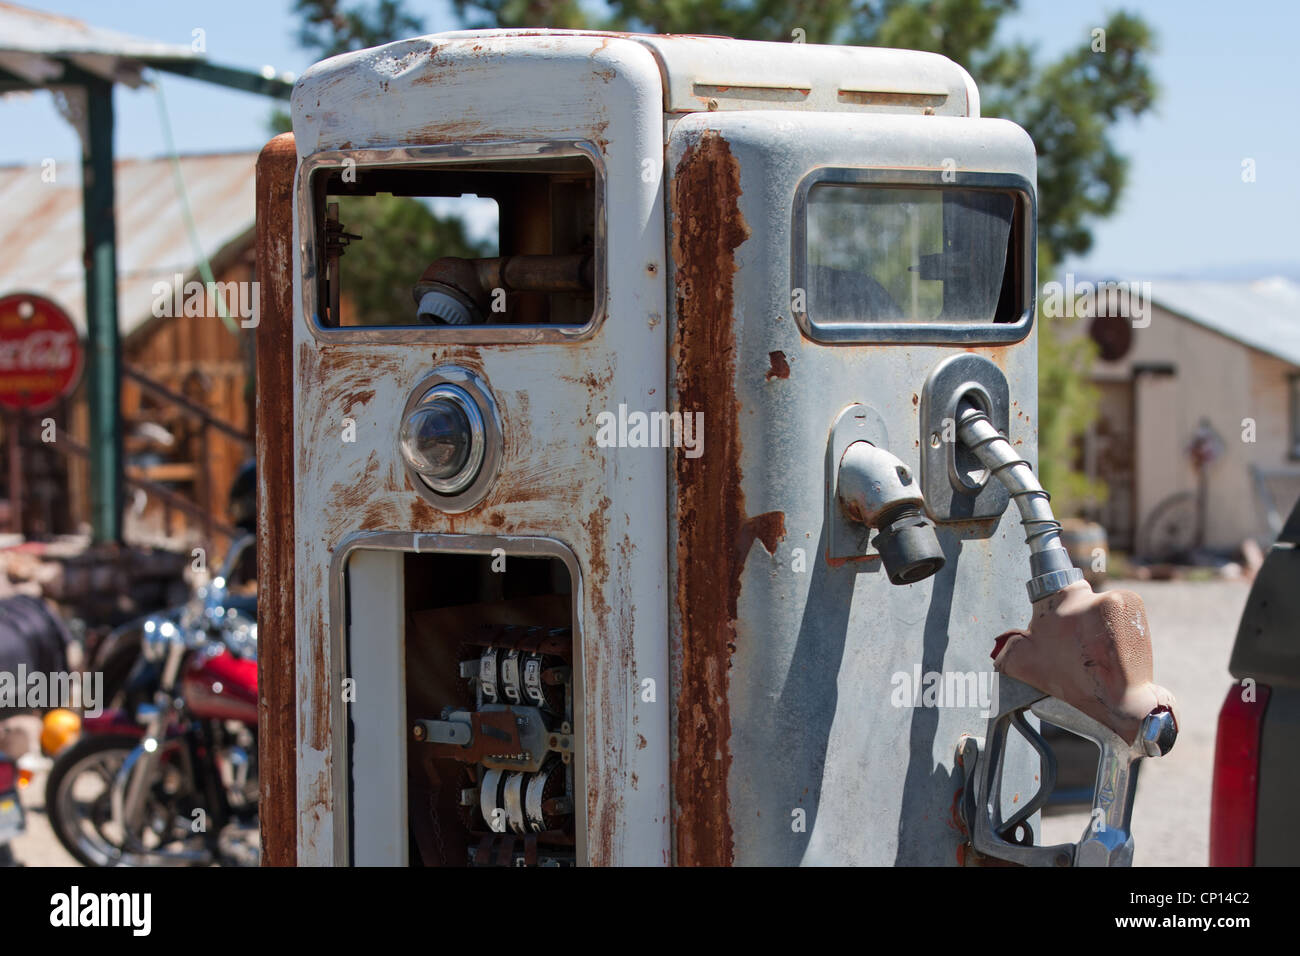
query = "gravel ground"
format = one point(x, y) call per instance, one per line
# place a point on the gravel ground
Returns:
point(1193, 626)
point(37, 845)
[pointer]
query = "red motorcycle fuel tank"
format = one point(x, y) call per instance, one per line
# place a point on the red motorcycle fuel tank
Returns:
point(223, 687)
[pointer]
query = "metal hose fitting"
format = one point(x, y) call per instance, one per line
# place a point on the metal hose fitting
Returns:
point(1050, 567)
point(879, 491)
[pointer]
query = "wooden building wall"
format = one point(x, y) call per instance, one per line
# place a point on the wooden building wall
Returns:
point(199, 357)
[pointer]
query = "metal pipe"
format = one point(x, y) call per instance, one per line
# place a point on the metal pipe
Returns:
point(1050, 566)
point(456, 291)
point(104, 358)
point(571, 273)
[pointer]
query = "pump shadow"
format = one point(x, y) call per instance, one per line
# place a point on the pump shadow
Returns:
point(923, 781)
point(802, 716)
point(806, 708)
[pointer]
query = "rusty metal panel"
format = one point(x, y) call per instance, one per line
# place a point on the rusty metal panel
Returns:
point(710, 509)
point(277, 658)
point(792, 744)
point(720, 73)
point(606, 505)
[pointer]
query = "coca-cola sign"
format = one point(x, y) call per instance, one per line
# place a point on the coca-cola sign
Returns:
point(40, 352)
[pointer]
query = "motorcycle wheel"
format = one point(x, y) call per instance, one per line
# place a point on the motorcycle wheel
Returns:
point(78, 800)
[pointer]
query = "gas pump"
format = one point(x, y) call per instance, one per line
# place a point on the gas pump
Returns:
point(679, 528)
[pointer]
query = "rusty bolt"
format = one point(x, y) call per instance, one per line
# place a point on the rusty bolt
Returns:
point(713, 104)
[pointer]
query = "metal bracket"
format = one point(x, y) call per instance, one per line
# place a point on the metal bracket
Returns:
point(954, 484)
point(845, 538)
point(498, 736)
point(456, 729)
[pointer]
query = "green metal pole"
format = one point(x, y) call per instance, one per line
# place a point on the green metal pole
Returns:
point(104, 354)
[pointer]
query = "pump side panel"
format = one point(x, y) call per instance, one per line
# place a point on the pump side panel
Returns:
point(554, 481)
point(276, 676)
point(796, 741)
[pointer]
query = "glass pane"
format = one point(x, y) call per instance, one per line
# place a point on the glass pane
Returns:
point(905, 254)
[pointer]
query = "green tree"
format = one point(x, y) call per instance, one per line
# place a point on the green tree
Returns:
point(401, 236)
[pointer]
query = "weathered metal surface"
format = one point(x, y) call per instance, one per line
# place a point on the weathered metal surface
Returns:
point(275, 523)
point(719, 73)
point(786, 745)
point(707, 228)
point(823, 762)
point(606, 504)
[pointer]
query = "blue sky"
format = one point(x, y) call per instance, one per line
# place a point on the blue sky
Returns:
point(1226, 73)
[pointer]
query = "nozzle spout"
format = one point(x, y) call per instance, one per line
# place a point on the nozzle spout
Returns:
point(876, 489)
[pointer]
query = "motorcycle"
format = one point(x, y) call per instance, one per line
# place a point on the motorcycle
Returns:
point(168, 776)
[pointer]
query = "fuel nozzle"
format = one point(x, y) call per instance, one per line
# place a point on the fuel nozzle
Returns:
point(1084, 664)
point(876, 489)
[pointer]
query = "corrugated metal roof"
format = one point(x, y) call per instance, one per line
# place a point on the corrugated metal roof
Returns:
point(41, 232)
point(33, 42)
point(1263, 314)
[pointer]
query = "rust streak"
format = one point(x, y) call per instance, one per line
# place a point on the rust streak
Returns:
point(604, 802)
point(318, 721)
point(708, 228)
point(361, 397)
point(277, 664)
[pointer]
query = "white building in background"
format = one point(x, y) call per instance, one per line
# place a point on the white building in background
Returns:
point(1212, 368)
